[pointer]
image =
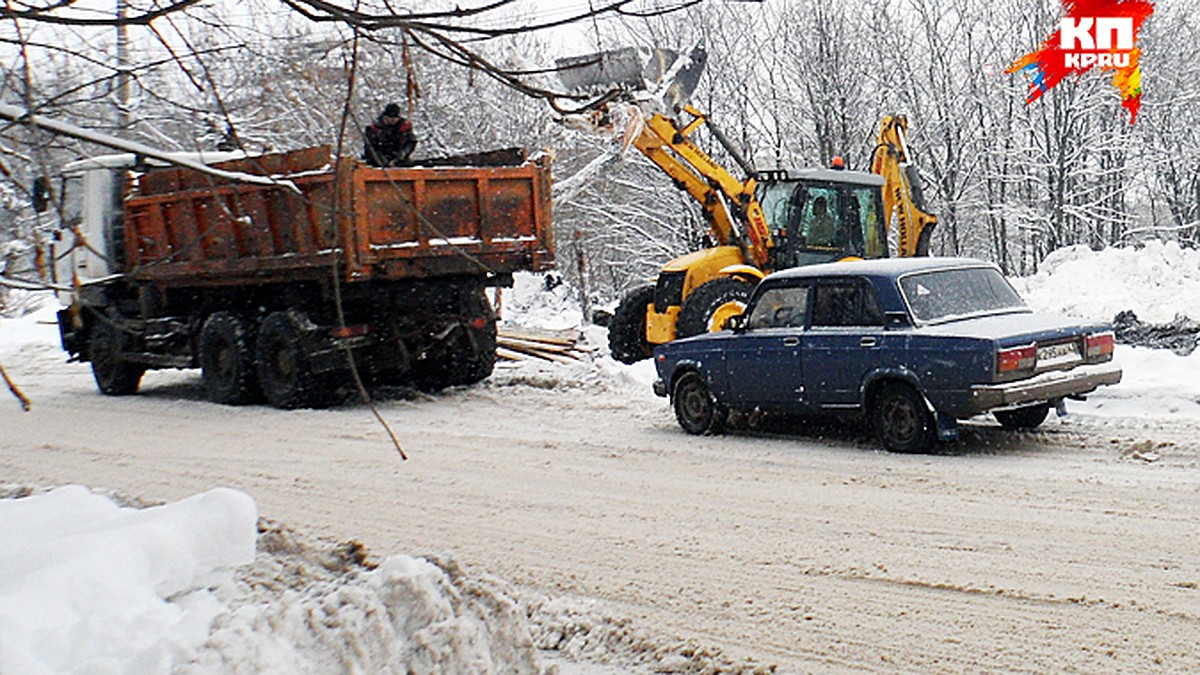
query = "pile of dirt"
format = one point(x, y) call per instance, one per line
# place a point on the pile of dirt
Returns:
point(1178, 335)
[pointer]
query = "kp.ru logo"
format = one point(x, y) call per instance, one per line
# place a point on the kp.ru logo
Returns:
point(1093, 34)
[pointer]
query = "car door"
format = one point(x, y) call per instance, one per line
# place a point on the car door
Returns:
point(764, 360)
point(844, 343)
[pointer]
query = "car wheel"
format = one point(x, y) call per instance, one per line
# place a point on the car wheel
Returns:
point(902, 419)
point(627, 328)
point(1029, 417)
point(695, 408)
point(707, 308)
point(284, 370)
point(227, 363)
point(114, 375)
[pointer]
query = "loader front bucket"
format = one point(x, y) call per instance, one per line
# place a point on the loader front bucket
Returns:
point(641, 71)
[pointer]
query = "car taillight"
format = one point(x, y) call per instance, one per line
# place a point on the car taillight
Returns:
point(1016, 358)
point(1099, 345)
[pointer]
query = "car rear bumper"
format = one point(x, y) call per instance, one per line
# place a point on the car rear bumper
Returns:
point(1045, 387)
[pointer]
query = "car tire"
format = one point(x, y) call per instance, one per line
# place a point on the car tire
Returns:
point(902, 419)
point(627, 328)
point(227, 361)
point(114, 375)
point(1029, 417)
point(707, 308)
point(696, 410)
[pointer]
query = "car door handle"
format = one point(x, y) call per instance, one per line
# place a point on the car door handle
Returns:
point(868, 342)
point(791, 342)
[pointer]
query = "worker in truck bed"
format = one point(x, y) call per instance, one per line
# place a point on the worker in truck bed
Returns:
point(389, 140)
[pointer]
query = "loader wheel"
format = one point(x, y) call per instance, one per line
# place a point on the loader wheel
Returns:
point(1029, 417)
point(627, 328)
point(114, 375)
point(695, 408)
point(706, 309)
point(227, 361)
point(284, 370)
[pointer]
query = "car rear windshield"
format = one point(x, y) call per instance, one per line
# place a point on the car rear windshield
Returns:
point(945, 295)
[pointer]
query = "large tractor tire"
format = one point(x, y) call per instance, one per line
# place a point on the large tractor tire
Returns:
point(114, 375)
point(707, 308)
point(627, 328)
point(227, 360)
point(284, 369)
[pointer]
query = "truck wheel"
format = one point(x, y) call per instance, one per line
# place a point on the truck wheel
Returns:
point(284, 370)
point(901, 418)
point(468, 359)
point(1029, 417)
point(707, 308)
point(627, 328)
point(695, 408)
point(114, 375)
point(227, 361)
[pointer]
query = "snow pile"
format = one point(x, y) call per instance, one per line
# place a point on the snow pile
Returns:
point(583, 631)
point(1157, 281)
point(540, 301)
point(301, 609)
point(28, 323)
point(87, 586)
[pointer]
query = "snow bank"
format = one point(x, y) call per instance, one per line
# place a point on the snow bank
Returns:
point(1156, 281)
point(87, 586)
point(302, 607)
point(28, 323)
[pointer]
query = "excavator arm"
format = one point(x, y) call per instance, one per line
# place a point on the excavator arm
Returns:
point(902, 193)
point(734, 214)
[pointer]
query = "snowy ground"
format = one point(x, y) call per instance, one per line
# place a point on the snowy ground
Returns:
point(623, 545)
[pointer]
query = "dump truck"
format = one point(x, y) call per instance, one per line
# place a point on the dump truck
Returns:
point(275, 288)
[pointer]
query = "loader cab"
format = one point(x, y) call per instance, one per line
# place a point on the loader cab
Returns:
point(822, 215)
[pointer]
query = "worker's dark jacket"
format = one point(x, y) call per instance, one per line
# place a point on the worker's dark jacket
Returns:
point(388, 144)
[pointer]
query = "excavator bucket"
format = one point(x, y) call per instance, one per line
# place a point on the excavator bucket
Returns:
point(664, 74)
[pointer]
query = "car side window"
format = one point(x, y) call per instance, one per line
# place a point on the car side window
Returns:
point(780, 307)
point(846, 303)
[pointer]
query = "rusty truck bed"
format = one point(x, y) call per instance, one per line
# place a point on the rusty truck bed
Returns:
point(184, 228)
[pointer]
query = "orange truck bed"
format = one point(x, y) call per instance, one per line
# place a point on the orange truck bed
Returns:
point(185, 228)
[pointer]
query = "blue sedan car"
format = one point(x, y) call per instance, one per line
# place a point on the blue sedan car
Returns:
point(912, 344)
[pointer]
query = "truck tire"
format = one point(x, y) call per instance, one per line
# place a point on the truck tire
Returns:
point(284, 370)
point(627, 328)
point(227, 359)
point(469, 358)
point(1029, 417)
point(695, 408)
point(902, 419)
point(114, 375)
point(707, 308)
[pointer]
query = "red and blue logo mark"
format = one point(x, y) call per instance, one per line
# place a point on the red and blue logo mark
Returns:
point(1092, 34)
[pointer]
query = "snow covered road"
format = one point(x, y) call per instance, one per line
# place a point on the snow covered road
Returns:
point(1073, 548)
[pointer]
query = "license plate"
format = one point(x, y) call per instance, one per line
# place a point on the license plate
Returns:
point(1058, 354)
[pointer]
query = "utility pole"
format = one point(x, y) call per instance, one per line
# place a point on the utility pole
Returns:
point(123, 94)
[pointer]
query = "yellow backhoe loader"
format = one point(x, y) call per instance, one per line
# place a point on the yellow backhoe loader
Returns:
point(767, 221)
